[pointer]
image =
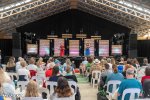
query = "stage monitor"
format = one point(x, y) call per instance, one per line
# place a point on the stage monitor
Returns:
point(44, 49)
point(32, 48)
point(57, 44)
point(73, 48)
point(116, 50)
point(88, 47)
point(104, 48)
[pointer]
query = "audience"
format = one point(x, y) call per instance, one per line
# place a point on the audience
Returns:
point(115, 75)
point(96, 66)
point(54, 71)
point(7, 87)
point(130, 82)
point(32, 90)
point(110, 64)
point(23, 73)
point(55, 74)
point(62, 90)
point(11, 66)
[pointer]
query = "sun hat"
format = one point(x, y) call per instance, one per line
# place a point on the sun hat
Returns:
point(96, 61)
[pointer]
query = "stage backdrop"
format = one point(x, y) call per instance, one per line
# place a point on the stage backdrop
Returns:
point(116, 50)
point(91, 42)
point(44, 47)
point(57, 43)
point(104, 48)
point(73, 48)
point(32, 49)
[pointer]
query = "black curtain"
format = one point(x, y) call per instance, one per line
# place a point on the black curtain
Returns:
point(143, 48)
point(6, 48)
point(74, 21)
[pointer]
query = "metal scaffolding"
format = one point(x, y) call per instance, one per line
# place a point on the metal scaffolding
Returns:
point(112, 10)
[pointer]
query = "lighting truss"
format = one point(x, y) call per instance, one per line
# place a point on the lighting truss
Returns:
point(37, 10)
point(111, 10)
point(115, 12)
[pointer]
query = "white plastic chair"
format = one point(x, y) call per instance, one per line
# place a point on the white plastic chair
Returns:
point(52, 86)
point(95, 76)
point(45, 90)
point(114, 84)
point(12, 75)
point(132, 92)
point(32, 98)
point(73, 86)
point(22, 85)
point(65, 98)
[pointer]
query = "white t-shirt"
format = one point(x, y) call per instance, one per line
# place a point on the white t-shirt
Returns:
point(32, 67)
point(23, 71)
point(110, 66)
point(85, 62)
point(51, 64)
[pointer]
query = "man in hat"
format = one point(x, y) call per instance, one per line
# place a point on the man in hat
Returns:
point(96, 66)
point(130, 82)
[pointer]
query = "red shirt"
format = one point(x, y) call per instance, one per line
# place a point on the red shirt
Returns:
point(143, 78)
point(48, 73)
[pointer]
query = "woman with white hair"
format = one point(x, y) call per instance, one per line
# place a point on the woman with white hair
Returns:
point(7, 89)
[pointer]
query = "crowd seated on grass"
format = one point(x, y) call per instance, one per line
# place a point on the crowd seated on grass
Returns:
point(38, 73)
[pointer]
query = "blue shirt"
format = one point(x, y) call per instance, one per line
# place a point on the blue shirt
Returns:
point(114, 76)
point(126, 84)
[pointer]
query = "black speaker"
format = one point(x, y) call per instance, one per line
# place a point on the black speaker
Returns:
point(132, 51)
point(16, 51)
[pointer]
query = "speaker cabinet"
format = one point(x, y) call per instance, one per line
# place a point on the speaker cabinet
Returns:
point(132, 52)
point(16, 51)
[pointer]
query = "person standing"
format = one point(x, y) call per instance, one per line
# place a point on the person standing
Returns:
point(62, 50)
point(87, 49)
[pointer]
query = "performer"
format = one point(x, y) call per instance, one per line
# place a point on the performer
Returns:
point(87, 49)
point(62, 50)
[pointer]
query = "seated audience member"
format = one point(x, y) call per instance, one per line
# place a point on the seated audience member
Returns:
point(82, 69)
point(85, 62)
point(136, 63)
point(23, 73)
point(62, 90)
point(114, 76)
point(7, 88)
point(32, 90)
point(18, 66)
point(95, 67)
point(55, 74)
point(73, 64)
point(120, 68)
point(109, 63)
point(49, 71)
point(89, 64)
point(127, 66)
point(141, 72)
point(11, 66)
point(32, 67)
point(68, 71)
point(145, 62)
point(130, 82)
point(147, 75)
point(69, 75)
point(50, 63)
point(106, 72)
point(113, 62)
